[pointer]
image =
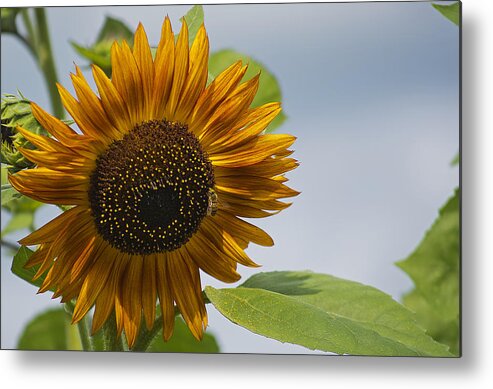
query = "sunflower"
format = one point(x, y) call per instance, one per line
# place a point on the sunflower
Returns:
point(159, 179)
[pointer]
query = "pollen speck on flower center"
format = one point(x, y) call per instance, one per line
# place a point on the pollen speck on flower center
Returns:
point(150, 190)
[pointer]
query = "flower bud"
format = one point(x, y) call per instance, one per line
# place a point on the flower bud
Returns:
point(16, 111)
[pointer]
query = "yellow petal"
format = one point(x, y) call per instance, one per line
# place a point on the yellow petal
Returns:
point(240, 228)
point(132, 299)
point(229, 112)
point(143, 59)
point(249, 126)
point(254, 151)
point(126, 78)
point(50, 230)
point(214, 95)
point(164, 65)
point(184, 279)
point(93, 107)
point(180, 71)
point(210, 258)
point(112, 102)
point(197, 77)
point(149, 290)
point(94, 283)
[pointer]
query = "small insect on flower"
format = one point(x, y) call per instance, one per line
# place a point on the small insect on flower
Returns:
point(212, 203)
point(158, 153)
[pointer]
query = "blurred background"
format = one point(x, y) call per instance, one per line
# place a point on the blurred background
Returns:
point(371, 90)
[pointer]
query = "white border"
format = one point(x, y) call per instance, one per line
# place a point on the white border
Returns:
point(474, 370)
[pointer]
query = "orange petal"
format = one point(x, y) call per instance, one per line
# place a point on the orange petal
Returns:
point(210, 258)
point(132, 299)
point(184, 278)
point(165, 295)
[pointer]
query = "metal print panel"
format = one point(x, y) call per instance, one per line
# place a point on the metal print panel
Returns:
point(268, 178)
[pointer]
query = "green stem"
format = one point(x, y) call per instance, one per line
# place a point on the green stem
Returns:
point(10, 245)
point(146, 336)
point(29, 27)
point(46, 62)
point(85, 334)
point(39, 45)
point(83, 327)
point(72, 336)
point(112, 341)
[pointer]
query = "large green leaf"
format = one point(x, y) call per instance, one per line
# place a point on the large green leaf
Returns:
point(50, 330)
point(451, 12)
point(325, 313)
point(194, 18)
point(442, 330)
point(20, 259)
point(183, 341)
point(269, 90)
point(434, 267)
point(99, 52)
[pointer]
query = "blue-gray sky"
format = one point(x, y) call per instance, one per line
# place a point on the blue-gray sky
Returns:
point(371, 90)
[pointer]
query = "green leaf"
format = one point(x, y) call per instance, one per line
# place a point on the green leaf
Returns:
point(8, 194)
point(434, 267)
point(194, 18)
point(99, 52)
point(18, 221)
point(50, 330)
point(269, 90)
point(114, 29)
point(23, 204)
point(183, 341)
point(4, 175)
point(451, 12)
point(20, 259)
point(456, 160)
point(322, 312)
point(443, 331)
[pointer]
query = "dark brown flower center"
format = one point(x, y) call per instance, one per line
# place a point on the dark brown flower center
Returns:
point(150, 190)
